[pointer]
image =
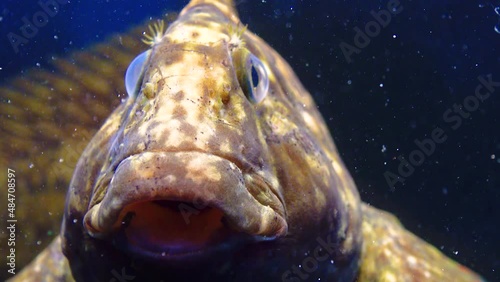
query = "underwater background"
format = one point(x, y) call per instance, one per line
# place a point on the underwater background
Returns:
point(379, 100)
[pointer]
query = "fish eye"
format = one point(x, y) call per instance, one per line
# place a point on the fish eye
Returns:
point(252, 75)
point(257, 79)
point(135, 72)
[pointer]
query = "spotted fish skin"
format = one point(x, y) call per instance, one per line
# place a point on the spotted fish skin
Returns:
point(200, 118)
point(47, 118)
point(271, 168)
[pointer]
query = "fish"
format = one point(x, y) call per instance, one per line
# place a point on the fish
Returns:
point(216, 166)
point(47, 120)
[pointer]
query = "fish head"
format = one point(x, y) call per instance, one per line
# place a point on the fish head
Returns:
point(218, 159)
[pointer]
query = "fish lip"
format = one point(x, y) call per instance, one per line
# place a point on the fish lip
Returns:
point(151, 176)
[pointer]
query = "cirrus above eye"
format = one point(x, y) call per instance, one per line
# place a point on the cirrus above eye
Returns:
point(135, 72)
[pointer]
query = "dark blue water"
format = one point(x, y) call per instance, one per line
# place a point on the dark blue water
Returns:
point(380, 102)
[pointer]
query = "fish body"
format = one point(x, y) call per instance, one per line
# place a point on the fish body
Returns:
point(219, 167)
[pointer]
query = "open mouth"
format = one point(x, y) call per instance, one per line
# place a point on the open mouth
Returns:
point(172, 228)
point(181, 204)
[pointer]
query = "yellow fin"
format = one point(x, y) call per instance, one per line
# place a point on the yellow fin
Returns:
point(392, 253)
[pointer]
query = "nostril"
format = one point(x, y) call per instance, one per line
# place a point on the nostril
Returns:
point(225, 95)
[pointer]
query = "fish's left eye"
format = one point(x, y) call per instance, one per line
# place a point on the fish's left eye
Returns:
point(258, 80)
point(252, 75)
point(135, 72)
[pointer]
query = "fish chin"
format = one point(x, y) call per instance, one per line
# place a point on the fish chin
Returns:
point(181, 205)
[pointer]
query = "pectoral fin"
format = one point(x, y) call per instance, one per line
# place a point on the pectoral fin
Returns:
point(392, 253)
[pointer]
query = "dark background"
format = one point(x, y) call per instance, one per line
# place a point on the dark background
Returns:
point(394, 91)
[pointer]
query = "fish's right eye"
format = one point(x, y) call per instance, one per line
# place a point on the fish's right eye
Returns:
point(135, 73)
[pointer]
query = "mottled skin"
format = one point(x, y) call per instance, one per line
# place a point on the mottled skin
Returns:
point(47, 118)
point(274, 191)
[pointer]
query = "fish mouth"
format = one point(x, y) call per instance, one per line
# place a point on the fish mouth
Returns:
point(174, 205)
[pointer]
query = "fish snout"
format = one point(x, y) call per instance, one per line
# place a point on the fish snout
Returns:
point(177, 204)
